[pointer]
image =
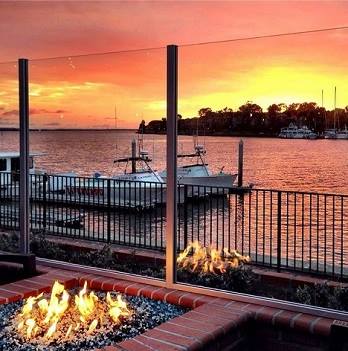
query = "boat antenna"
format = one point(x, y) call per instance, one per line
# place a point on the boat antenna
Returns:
point(153, 147)
point(141, 137)
point(115, 129)
point(335, 109)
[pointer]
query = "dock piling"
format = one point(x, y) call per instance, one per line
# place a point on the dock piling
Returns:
point(134, 155)
point(240, 163)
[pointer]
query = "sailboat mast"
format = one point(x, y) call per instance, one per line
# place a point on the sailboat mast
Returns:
point(115, 127)
point(335, 109)
point(322, 98)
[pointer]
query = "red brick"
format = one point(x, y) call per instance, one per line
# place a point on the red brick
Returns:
point(107, 284)
point(266, 315)
point(221, 302)
point(10, 296)
point(121, 285)
point(173, 297)
point(22, 290)
point(111, 348)
point(187, 331)
point(33, 286)
point(133, 289)
point(188, 299)
point(134, 345)
point(238, 316)
point(175, 340)
point(303, 323)
point(159, 294)
point(156, 344)
point(283, 319)
point(96, 283)
point(216, 321)
point(147, 290)
point(201, 300)
point(214, 329)
point(85, 277)
point(322, 327)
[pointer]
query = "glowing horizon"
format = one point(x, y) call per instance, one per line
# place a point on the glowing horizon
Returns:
point(83, 92)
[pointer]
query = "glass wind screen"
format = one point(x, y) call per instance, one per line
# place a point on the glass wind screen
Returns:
point(277, 106)
point(96, 180)
point(9, 158)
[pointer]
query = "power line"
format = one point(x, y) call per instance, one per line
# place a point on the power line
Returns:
point(277, 35)
point(268, 36)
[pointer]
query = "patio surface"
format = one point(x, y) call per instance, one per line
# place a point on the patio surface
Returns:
point(211, 324)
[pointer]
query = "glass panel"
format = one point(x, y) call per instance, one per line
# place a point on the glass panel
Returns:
point(85, 114)
point(9, 147)
point(279, 95)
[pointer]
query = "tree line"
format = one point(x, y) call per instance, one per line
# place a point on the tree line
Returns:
point(251, 120)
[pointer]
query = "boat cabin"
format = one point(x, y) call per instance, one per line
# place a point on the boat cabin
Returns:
point(10, 165)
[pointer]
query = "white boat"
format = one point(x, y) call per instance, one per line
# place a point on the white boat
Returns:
point(294, 132)
point(9, 167)
point(139, 188)
point(199, 173)
point(330, 134)
point(341, 134)
point(142, 188)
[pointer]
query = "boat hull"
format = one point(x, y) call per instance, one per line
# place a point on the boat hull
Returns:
point(218, 180)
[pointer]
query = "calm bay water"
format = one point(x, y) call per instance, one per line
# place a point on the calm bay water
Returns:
point(314, 228)
point(308, 165)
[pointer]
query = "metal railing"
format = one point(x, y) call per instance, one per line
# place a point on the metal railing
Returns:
point(298, 231)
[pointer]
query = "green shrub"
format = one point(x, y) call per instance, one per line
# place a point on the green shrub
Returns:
point(239, 279)
point(323, 295)
point(9, 242)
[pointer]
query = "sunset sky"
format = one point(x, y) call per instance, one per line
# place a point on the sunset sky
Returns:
point(83, 91)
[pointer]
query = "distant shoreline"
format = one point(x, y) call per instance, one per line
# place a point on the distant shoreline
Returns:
point(68, 129)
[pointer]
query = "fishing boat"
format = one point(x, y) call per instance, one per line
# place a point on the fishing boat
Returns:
point(198, 173)
point(294, 132)
point(140, 188)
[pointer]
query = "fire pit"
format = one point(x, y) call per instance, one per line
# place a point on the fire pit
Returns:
point(78, 320)
point(200, 259)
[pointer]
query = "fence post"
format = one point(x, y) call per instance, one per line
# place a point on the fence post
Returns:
point(108, 182)
point(44, 191)
point(279, 231)
point(185, 217)
point(24, 239)
point(240, 162)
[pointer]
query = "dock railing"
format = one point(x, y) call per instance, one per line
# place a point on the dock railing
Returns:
point(298, 231)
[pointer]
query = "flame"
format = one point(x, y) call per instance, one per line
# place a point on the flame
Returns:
point(49, 319)
point(116, 308)
point(197, 258)
point(85, 303)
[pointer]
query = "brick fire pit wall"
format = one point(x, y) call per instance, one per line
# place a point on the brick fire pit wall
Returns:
point(211, 324)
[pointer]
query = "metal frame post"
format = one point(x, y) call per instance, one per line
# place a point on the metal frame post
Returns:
point(172, 126)
point(279, 231)
point(24, 155)
point(240, 162)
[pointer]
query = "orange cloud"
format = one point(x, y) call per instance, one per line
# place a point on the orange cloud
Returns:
point(86, 89)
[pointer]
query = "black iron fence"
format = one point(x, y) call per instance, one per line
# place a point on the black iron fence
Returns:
point(282, 229)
